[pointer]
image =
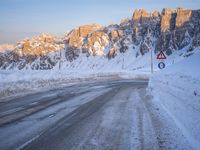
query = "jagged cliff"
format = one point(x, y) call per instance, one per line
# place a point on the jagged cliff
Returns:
point(38, 52)
point(170, 30)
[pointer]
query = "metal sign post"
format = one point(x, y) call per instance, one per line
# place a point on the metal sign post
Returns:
point(151, 61)
point(60, 60)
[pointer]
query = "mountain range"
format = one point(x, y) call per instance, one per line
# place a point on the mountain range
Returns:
point(95, 46)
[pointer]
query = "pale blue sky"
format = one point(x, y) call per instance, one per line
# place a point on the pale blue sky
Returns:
point(26, 18)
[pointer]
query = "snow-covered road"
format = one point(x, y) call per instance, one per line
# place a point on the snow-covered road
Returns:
point(102, 115)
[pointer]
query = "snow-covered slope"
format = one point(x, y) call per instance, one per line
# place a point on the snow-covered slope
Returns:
point(177, 89)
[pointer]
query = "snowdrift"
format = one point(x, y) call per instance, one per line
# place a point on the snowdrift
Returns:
point(177, 89)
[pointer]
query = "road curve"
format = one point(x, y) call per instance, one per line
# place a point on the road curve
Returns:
point(106, 116)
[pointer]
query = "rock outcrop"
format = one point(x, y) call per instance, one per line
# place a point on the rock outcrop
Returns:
point(115, 35)
point(97, 43)
point(35, 52)
point(77, 35)
point(177, 29)
point(183, 16)
point(140, 16)
point(168, 20)
point(81, 40)
point(38, 46)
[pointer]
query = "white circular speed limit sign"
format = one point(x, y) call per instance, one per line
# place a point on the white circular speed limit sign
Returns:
point(161, 65)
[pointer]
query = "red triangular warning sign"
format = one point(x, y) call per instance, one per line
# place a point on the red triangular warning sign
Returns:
point(161, 55)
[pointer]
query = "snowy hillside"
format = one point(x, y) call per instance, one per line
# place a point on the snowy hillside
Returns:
point(177, 89)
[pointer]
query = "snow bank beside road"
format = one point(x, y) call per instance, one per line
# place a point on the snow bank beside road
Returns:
point(177, 89)
point(19, 81)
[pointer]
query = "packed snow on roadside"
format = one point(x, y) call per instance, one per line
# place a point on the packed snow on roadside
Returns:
point(177, 90)
point(25, 81)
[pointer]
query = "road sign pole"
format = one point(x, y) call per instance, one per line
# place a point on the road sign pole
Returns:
point(151, 61)
point(60, 60)
point(123, 62)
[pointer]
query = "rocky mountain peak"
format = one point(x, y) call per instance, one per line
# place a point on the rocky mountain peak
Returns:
point(168, 11)
point(174, 18)
point(140, 13)
point(87, 29)
point(156, 14)
point(38, 46)
point(183, 16)
point(76, 36)
point(167, 19)
point(136, 14)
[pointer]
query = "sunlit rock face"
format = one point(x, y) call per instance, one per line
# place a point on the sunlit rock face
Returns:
point(183, 16)
point(78, 35)
point(83, 39)
point(97, 42)
point(36, 53)
point(168, 19)
point(38, 46)
point(178, 28)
